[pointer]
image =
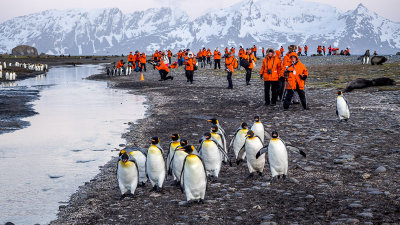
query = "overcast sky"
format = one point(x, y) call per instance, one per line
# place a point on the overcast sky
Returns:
point(12, 8)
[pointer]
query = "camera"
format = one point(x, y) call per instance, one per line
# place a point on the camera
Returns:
point(269, 71)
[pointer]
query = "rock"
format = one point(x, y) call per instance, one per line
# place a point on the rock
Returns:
point(239, 194)
point(155, 195)
point(366, 176)
point(352, 221)
point(308, 168)
point(380, 169)
point(268, 217)
point(182, 203)
point(294, 180)
point(24, 50)
point(355, 205)
point(365, 214)
point(257, 207)
point(337, 183)
point(299, 209)
point(9, 223)
point(268, 223)
point(329, 213)
point(398, 53)
point(309, 197)
point(238, 218)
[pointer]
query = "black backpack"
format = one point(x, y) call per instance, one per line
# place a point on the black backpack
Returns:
point(244, 63)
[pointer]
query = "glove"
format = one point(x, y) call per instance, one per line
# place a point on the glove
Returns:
point(304, 77)
point(261, 76)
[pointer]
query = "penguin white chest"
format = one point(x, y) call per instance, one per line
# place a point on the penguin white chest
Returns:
point(342, 108)
point(277, 157)
point(252, 146)
point(258, 129)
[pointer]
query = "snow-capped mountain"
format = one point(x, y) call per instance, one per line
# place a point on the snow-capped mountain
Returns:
point(267, 23)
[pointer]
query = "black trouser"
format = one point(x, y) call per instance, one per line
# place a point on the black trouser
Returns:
point(305, 52)
point(229, 78)
point(170, 62)
point(209, 60)
point(217, 62)
point(164, 74)
point(289, 96)
point(273, 86)
point(255, 54)
point(263, 55)
point(189, 75)
point(248, 75)
point(240, 59)
point(204, 62)
point(143, 65)
point(324, 52)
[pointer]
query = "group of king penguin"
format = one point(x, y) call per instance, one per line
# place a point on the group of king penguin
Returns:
point(192, 168)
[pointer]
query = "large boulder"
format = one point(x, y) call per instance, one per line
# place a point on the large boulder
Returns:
point(24, 50)
point(398, 53)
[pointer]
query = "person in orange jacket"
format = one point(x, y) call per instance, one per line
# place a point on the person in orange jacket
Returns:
point(241, 54)
point(324, 49)
point(226, 50)
point(233, 51)
point(285, 64)
point(208, 56)
point(169, 56)
point(180, 58)
point(347, 52)
point(305, 49)
point(190, 64)
point(271, 71)
point(319, 50)
point(203, 58)
point(295, 77)
point(254, 51)
point(263, 52)
point(143, 61)
point(200, 56)
point(120, 65)
point(163, 70)
point(282, 51)
point(217, 59)
point(137, 61)
point(229, 69)
point(130, 58)
point(251, 59)
point(299, 50)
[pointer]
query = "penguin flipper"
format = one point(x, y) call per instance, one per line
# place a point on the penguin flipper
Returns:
point(262, 151)
point(233, 138)
point(296, 150)
point(240, 153)
point(137, 168)
point(204, 167)
point(223, 152)
point(183, 168)
point(267, 136)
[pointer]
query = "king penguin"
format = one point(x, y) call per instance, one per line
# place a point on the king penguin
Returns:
point(155, 164)
point(171, 150)
point(342, 107)
point(140, 155)
point(193, 176)
point(258, 128)
point(252, 145)
point(238, 140)
point(127, 174)
point(220, 138)
point(215, 122)
point(277, 156)
point(177, 160)
point(210, 151)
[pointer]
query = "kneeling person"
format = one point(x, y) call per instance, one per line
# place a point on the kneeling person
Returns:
point(163, 70)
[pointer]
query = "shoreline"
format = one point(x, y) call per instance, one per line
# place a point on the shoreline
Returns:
point(320, 188)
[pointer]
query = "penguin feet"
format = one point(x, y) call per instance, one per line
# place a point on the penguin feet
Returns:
point(123, 196)
point(160, 190)
point(176, 183)
point(238, 161)
point(283, 177)
point(259, 173)
point(142, 184)
point(251, 175)
point(201, 201)
point(154, 189)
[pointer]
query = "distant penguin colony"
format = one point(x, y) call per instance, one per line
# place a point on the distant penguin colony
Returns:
point(12, 75)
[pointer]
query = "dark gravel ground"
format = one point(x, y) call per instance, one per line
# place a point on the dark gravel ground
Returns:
point(350, 176)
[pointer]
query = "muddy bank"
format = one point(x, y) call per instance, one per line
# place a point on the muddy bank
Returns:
point(338, 182)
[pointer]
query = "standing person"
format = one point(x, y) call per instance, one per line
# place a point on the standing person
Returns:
point(143, 62)
point(375, 53)
point(330, 50)
point(241, 54)
point(305, 49)
point(282, 51)
point(217, 59)
point(209, 56)
point(203, 58)
point(295, 76)
point(233, 51)
point(229, 69)
point(323, 49)
point(180, 58)
point(200, 57)
point(271, 71)
point(263, 52)
point(130, 58)
point(285, 64)
point(299, 50)
point(319, 50)
point(190, 63)
point(163, 70)
point(251, 59)
point(255, 50)
point(169, 56)
point(137, 61)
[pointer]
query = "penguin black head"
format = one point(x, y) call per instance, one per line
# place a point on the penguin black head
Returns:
point(207, 135)
point(183, 142)
point(250, 134)
point(214, 128)
point(257, 119)
point(124, 157)
point(122, 152)
point(175, 137)
point(155, 140)
point(274, 134)
point(213, 121)
point(188, 149)
point(244, 125)
point(339, 93)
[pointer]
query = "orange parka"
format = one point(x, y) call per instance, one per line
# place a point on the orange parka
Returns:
point(217, 54)
point(130, 57)
point(143, 58)
point(229, 63)
point(274, 63)
point(295, 72)
point(253, 60)
point(190, 62)
point(162, 66)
